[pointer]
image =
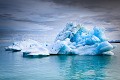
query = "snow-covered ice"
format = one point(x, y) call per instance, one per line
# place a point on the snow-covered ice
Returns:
point(20, 45)
point(74, 39)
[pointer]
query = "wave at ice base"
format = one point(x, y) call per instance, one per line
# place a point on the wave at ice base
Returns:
point(74, 39)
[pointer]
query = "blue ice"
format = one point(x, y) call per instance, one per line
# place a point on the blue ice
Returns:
point(73, 39)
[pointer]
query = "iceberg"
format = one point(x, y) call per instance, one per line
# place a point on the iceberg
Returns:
point(73, 39)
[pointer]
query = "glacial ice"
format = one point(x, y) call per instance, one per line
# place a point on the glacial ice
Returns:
point(74, 39)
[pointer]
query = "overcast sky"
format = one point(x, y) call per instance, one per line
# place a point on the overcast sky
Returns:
point(53, 15)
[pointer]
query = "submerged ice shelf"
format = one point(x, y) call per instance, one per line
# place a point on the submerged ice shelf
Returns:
point(74, 39)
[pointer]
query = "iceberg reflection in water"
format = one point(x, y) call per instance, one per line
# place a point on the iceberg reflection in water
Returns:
point(83, 67)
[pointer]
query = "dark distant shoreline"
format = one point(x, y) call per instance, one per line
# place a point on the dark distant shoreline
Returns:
point(114, 41)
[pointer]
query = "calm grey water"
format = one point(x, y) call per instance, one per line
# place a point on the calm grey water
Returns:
point(13, 66)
